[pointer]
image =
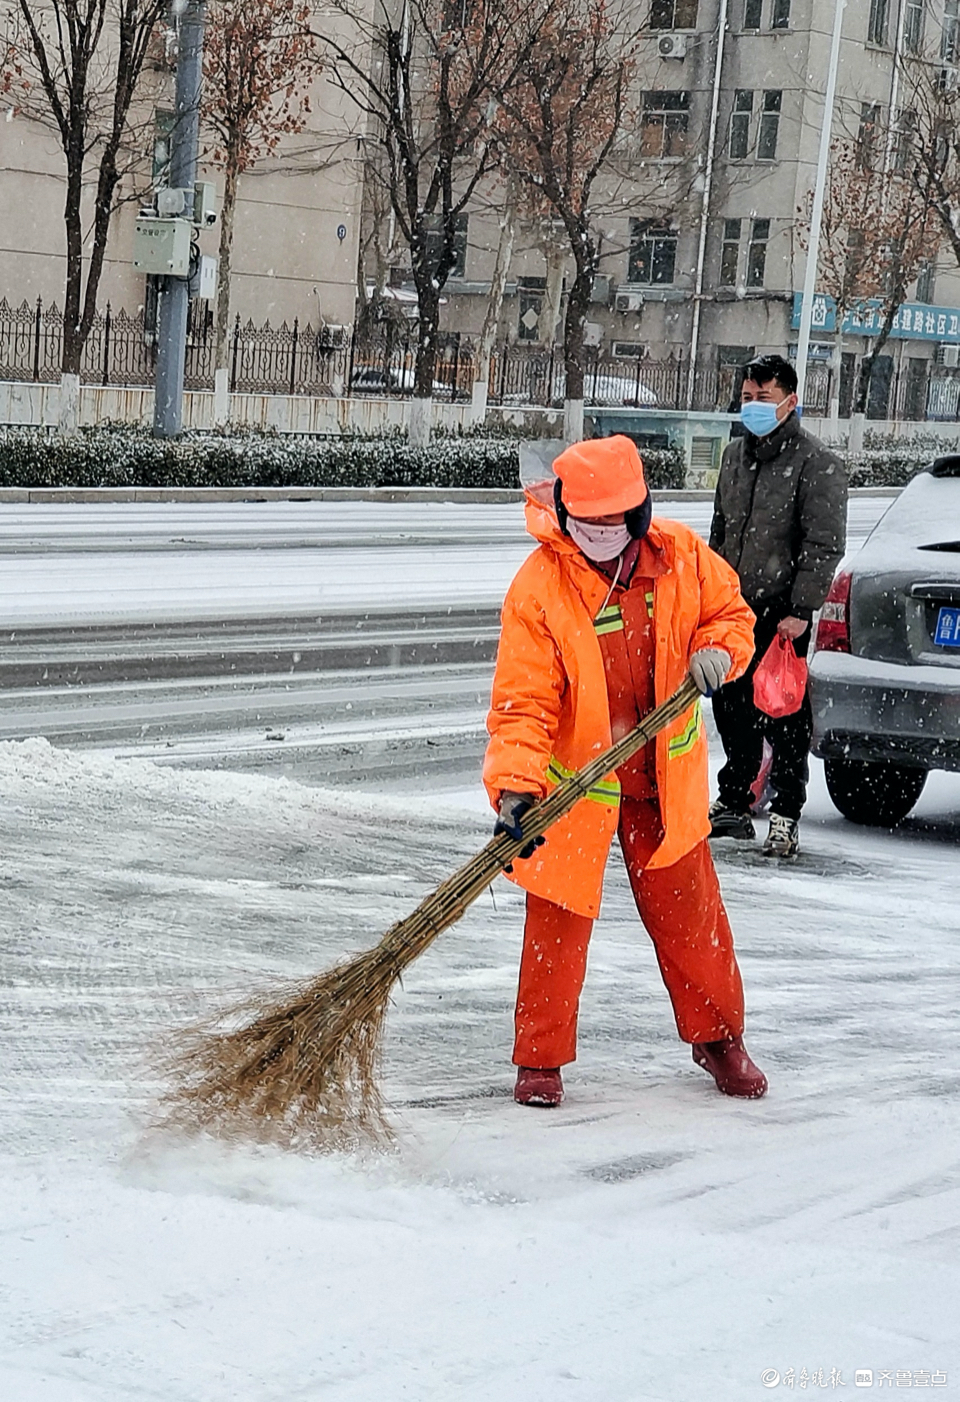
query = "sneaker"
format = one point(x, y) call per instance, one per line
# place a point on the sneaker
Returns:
point(724, 822)
point(783, 839)
point(538, 1086)
point(729, 1063)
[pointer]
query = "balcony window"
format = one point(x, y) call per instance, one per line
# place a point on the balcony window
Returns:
point(950, 38)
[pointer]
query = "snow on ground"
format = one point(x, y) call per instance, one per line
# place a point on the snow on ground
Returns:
point(648, 1240)
point(88, 566)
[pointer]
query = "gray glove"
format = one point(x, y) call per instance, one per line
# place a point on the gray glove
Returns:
point(709, 668)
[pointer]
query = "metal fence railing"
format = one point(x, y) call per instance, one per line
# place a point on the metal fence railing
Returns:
point(303, 360)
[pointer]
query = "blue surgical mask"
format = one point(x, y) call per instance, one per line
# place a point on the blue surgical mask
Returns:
point(759, 418)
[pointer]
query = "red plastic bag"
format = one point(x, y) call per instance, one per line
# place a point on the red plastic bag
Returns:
point(780, 682)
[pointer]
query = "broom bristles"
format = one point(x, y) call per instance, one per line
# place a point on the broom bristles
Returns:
point(303, 1069)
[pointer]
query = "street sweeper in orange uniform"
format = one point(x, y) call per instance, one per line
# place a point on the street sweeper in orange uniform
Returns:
point(602, 623)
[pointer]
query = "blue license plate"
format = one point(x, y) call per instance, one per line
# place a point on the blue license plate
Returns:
point(948, 628)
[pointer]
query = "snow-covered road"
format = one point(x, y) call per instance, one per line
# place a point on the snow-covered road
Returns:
point(86, 566)
point(650, 1241)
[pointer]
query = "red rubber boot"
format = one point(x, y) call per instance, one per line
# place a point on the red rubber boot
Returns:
point(538, 1086)
point(730, 1066)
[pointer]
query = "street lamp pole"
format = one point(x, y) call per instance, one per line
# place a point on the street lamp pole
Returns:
point(175, 296)
point(816, 216)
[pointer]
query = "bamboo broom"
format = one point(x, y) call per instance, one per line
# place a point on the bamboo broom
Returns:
point(303, 1069)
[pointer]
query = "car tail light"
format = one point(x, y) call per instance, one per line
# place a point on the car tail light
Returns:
point(833, 630)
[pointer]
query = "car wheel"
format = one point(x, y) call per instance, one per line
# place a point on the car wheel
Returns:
point(876, 794)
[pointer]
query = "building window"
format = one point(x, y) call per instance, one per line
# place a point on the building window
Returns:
point(757, 252)
point(673, 14)
point(653, 254)
point(740, 124)
point(752, 13)
point(434, 242)
point(904, 140)
point(730, 253)
point(926, 281)
point(950, 38)
point(913, 26)
point(780, 18)
point(867, 135)
point(663, 125)
point(769, 125)
point(877, 23)
point(531, 290)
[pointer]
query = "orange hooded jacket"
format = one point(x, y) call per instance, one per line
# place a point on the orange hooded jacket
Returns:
point(549, 712)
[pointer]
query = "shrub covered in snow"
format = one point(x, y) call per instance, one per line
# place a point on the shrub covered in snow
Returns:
point(123, 456)
point(890, 462)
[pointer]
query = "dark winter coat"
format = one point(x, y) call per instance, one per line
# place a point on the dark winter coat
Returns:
point(780, 516)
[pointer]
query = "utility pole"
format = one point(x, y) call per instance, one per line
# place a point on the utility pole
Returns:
point(705, 203)
point(816, 215)
point(189, 17)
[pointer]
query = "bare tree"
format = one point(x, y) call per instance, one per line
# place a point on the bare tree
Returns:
point(422, 73)
point(76, 65)
point(930, 146)
point(561, 116)
point(259, 59)
point(854, 238)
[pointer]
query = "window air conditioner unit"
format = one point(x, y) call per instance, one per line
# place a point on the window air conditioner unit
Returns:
point(672, 46)
point(629, 301)
point(949, 356)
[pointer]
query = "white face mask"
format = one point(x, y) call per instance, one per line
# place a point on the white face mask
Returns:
point(598, 542)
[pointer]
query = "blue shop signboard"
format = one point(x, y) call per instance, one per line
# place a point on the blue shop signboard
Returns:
point(915, 321)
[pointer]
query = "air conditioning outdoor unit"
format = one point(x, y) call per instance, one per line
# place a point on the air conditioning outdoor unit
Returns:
point(949, 356)
point(629, 301)
point(672, 46)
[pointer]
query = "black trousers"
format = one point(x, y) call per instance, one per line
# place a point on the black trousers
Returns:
point(743, 729)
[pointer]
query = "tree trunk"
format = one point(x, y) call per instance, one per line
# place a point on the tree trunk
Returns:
point(869, 361)
point(221, 371)
point(227, 218)
point(71, 348)
point(573, 334)
point(556, 257)
point(491, 320)
point(421, 410)
point(833, 411)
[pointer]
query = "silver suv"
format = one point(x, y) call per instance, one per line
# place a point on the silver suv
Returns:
point(885, 674)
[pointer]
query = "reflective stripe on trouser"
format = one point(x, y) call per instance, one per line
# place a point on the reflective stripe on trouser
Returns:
point(683, 912)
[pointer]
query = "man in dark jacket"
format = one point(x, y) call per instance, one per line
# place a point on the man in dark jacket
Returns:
point(780, 521)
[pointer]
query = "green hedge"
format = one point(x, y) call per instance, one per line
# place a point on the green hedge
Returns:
point(891, 462)
point(121, 456)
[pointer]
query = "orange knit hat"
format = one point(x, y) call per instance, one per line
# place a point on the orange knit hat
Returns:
point(601, 476)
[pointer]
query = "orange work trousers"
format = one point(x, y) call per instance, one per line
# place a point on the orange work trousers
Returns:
point(683, 912)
